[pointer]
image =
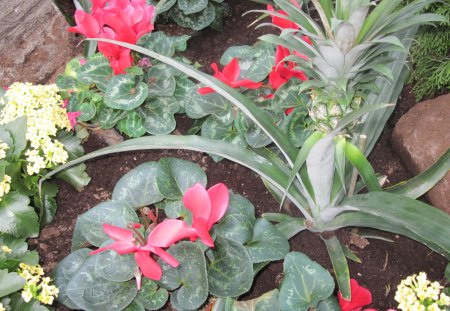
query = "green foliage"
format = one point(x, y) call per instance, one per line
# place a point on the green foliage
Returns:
point(430, 61)
point(193, 14)
point(14, 251)
point(104, 280)
point(23, 206)
point(143, 100)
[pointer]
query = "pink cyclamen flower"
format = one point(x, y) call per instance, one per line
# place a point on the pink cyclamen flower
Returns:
point(360, 297)
point(121, 20)
point(207, 207)
point(230, 76)
point(127, 242)
point(72, 116)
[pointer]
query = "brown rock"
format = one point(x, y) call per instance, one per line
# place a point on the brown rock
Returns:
point(420, 137)
point(34, 42)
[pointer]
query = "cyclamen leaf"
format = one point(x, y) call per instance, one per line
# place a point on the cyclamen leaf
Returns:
point(90, 224)
point(175, 177)
point(131, 125)
point(305, 283)
point(192, 6)
point(267, 244)
point(150, 296)
point(64, 272)
point(197, 106)
point(124, 93)
point(265, 302)
point(92, 292)
point(231, 271)
point(160, 82)
point(190, 274)
point(162, 6)
point(138, 187)
point(158, 115)
point(238, 222)
point(159, 42)
point(195, 21)
point(108, 117)
point(97, 70)
point(114, 267)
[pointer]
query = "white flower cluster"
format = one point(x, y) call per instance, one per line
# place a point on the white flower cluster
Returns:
point(37, 286)
point(43, 107)
point(416, 293)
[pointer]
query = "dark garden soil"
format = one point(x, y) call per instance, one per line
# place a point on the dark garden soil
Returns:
point(383, 265)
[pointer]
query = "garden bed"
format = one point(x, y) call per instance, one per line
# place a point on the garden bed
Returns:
point(384, 264)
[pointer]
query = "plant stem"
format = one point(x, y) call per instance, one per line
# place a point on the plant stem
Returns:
point(361, 145)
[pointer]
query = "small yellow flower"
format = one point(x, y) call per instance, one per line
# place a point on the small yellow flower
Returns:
point(3, 148)
point(2, 308)
point(5, 186)
point(6, 249)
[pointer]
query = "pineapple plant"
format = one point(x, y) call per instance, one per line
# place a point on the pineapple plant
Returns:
point(349, 50)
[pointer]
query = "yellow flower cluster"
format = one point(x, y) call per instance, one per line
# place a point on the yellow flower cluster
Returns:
point(6, 249)
point(416, 293)
point(43, 107)
point(2, 308)
point(3, 148)
point(37, 286)
point(5, 186)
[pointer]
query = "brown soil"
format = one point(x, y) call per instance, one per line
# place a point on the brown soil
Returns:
point(383, 265)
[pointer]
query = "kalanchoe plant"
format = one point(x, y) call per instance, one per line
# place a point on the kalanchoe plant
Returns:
point(210, 244)
point(35, 136)
point(23, 285)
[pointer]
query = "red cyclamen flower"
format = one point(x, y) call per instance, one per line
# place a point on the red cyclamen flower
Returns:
point(121, 20)
point(283, 71)
point(360, 297)
point(230, 75)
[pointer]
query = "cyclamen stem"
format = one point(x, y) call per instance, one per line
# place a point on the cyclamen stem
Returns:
point(139, 238)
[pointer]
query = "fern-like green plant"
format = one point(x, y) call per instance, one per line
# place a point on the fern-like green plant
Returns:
point(430, 56)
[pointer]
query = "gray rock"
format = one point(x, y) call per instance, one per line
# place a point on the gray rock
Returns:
point(34, 41)
point(420, 137)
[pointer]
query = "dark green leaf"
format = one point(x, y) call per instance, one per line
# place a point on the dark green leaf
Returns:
point(65, 271)
point(17, 217)
point(305, 283)
point(157, 115)
point(340, 266)
point(124, 93)
point(114, 213)
point(230, 273)
point(192, 6)
point(90, 291)
point(138, 187)
point(196, 21)
point(267, 244)
point(175, 176)
point(96, 70)
point(108, 117)
point(46, 202)
point(238, 222)
point(265, 302)
point(190, 274)
point(160, 81)
point(131, 125)
point(150, 296)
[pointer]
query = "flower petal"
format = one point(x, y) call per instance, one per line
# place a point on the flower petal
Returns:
point(201, 227)
point(169, 232)
point(148, 266)
point(247, 83)
point(166, 257)
point(219, 197)
point(232, 70)
point(205, 90)
point(117, 233)
point(196, 199)
point(360, 297)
